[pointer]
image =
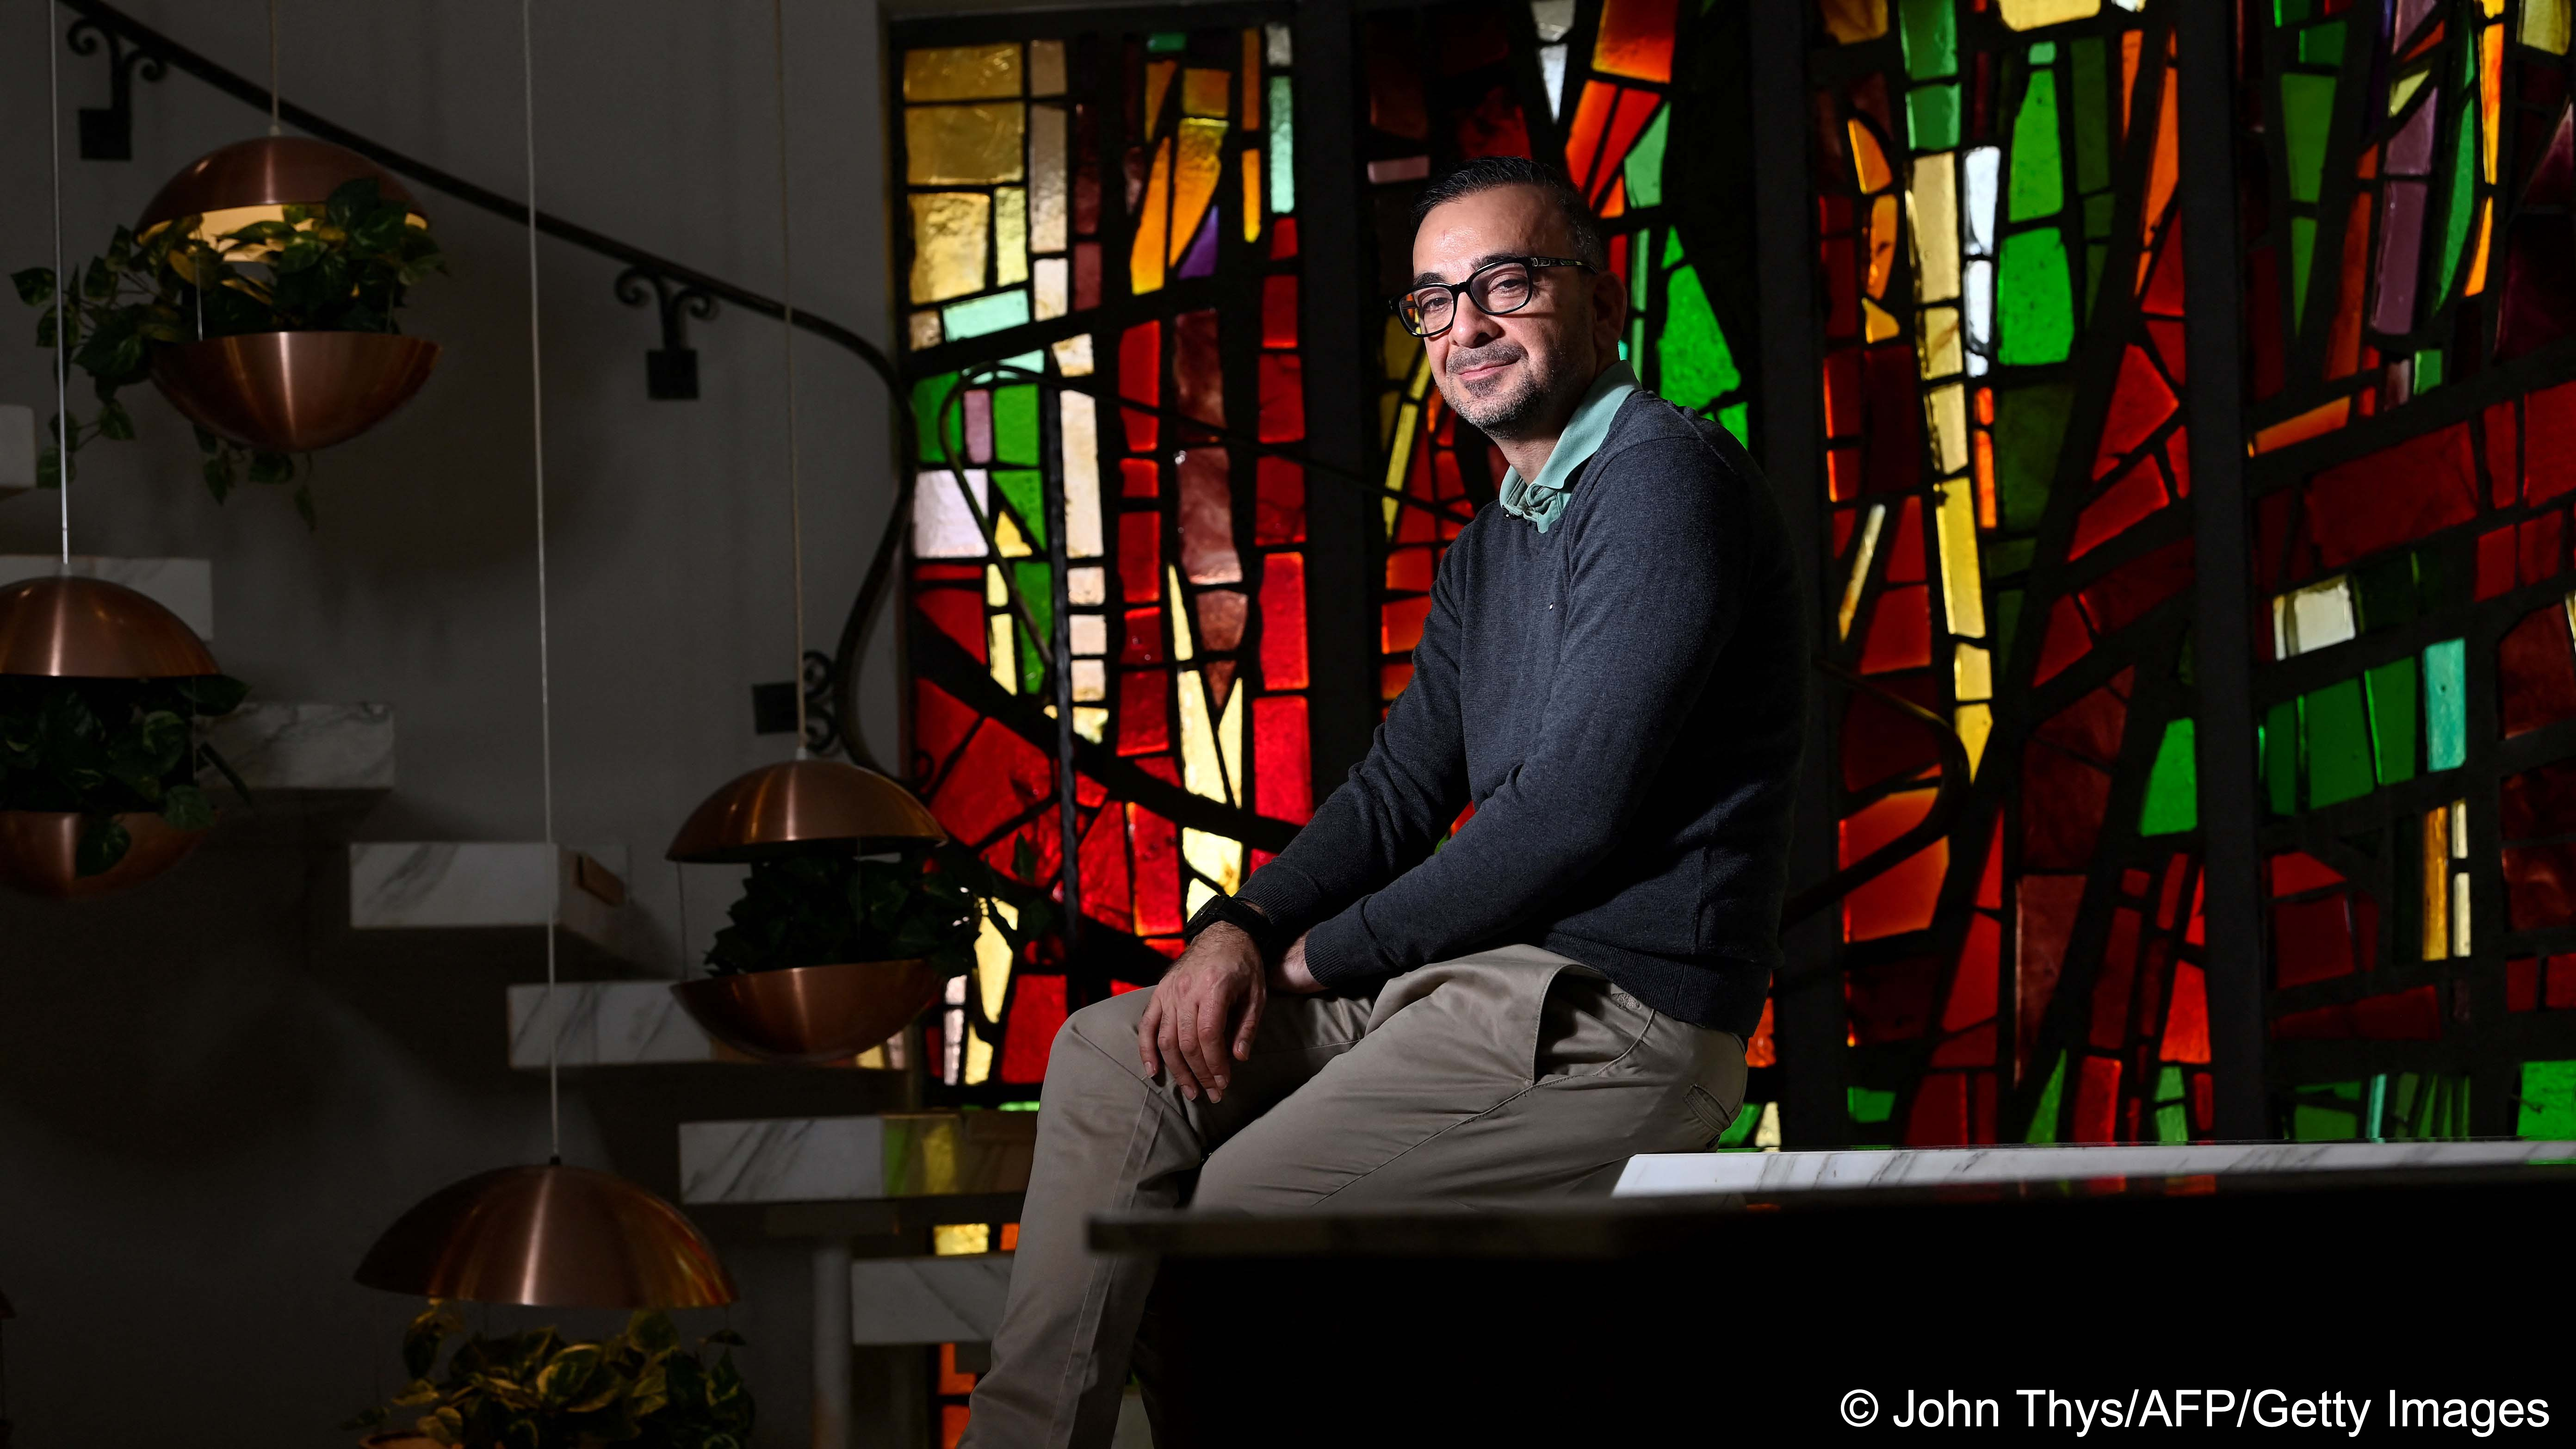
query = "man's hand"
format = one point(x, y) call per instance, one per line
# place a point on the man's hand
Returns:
point(1187, 1023)
point(1291, 975)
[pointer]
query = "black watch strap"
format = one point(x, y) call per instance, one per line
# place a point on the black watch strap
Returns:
point(1243, 915)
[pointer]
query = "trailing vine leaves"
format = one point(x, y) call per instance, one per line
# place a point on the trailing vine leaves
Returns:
point(106, 747)
point(535, 1390)
point(344, 266)
point(922, 904)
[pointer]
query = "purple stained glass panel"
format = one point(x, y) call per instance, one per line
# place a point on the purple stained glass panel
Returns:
point(2400, 257)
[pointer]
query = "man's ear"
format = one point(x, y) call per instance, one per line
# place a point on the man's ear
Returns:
point(1609, 312)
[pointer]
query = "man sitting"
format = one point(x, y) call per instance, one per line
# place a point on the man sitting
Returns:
point(1612, 673)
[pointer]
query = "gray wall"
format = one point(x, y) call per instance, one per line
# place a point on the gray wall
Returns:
point(212, 1093)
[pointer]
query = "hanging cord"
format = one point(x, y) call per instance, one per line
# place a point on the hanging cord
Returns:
point(274, 128)
point(787, 333)
point(62, 291)
point(545, 654)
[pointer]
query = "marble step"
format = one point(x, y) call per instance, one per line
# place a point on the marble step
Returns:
point(928, 1300)
point(184, 586)
point(1665, 1174)
point(313, 769)
point(627, 1024)
point(856, 1159)
point(453, 885)
point(17, 449)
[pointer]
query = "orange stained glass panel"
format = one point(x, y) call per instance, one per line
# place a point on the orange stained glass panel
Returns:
point(1985, 463)
point(1400, 625)
point(2478, 264)
point(1392, 678)
point(2316, 422)
point(1883, 227)
point(962, 72)
point(1193, 182)
point(2490, 95)
point(1206, 91)
point(1583, 136)
point(1636, 39)
point(1158, 80)
point(1252, 80)
point(1869, 159)
point(1146, 261)
point(1251, 169)
point(2129, 48)
point(1900, 631)
point(1627, 123)
point(1902, 898)
point(2162, 174)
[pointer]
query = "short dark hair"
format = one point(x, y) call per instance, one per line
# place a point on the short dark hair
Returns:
point(1489, 173)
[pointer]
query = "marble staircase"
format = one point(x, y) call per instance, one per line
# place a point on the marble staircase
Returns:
point(445, 885)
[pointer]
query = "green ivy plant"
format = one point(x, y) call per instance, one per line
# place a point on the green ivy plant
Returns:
point(925, 904)
point(106, 747)
point(535, 1390)
point(345, 266)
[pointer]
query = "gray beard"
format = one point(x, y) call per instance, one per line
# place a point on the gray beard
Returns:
point(1504, 416)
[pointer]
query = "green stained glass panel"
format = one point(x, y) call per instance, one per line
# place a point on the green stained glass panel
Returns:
point(2327, 1112)
point(2457, 205)
point(1739, 1133)
point(2173, 785)
point(1283, 146)
point(2322, 44)
point(2173, 1118)
point(1035, 583)
point(2428, 369)
point(2446, 705)
point(1737, 418)
point(1015, 425)
point(1870, 1105)
point(927, 396)
point(2338, 744)
point(2038, 175)
point(2280, 736)
point(1696, 366)
point(1167, 42)
point(2307, 115)
point(962, 320)
point(2391, 688)
point(2092, 115)
point(2035, 305)
point(1932, 117)
point(2043, 1118)
point(2548, 1108)
point(2303, 250)
point(1645, 165)
point(1930, 37)
point(2030, 425)
point(1026, 488)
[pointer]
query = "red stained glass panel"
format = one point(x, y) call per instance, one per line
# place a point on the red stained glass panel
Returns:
point(1140, 380)
point(1282, 773)
point(2393, 496)
point(1037, 1013)
point(1283, 616)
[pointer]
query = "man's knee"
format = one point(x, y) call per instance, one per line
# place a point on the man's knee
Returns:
point(1099, 1036)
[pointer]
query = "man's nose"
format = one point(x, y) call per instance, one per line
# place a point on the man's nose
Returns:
point(1473, 328)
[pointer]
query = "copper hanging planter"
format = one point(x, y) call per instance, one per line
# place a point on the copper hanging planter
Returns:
point(268, 171)
point(780, 809)
point(292, 392)
point(68, 627)
point(38, 850)
point(811, 1015)
point(549, 1237)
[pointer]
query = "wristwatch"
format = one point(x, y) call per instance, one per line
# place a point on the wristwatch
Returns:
point(1266, 934)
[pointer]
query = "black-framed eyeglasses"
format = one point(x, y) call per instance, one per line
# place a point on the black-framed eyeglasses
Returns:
point(1498, 288)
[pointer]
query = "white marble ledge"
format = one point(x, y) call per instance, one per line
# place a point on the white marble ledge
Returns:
point(856, 1159)
point(928, 1300)
point(1665, 1174)
point(290, 746)
point(184, 586)
point(17, 448)
point(427, 885)
point(624, 1024)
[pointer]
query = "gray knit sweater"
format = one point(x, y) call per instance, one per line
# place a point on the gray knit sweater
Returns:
point(1622, 698)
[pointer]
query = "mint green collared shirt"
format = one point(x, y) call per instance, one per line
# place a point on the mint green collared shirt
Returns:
point(1542, 500)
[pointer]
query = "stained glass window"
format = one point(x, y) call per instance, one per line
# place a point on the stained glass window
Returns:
point(1107, 533)
point(1591, 84)
point(2010, 548)
point(2405, 175)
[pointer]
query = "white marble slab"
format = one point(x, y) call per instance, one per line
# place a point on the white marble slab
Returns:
point(1665, 1174)
point(416, 885)
point(17, 448)
point(625, 1024)
point(184, 586)
point(856, 1159)
point(288, 746)
point(928, 1300)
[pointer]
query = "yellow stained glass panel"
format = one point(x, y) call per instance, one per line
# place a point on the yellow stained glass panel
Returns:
point(949, 232)
point(1852, 21)
point(1214, 856)
point(1046, 67)
point(1158, 81)
point(1010, 235)
point(1206, 92)
point(1194, 181)
point(1859, 576)
point(965, 72)
point(951, 1240)
point(1974, 723)
point(2437, 883)
point(2032, 14)
point(1973, 672)
point(1182, 647)
point(1883, 223)
point(1080, 430)
point(1200, 771)
point(2545, 25)
point(1963, 589)
point(1229, 741)
point(1946, 410)
point(1145, 260)
point(1007, 538)
point(1046, 179)
point(1877, 322)
point(1934, 196)
point(997, 642)
point(1869, 160)
point(962, 145)
point(1942, 352)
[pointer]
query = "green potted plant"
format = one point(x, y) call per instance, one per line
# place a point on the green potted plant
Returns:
point(177, 303)
point(829, 954)
point(99, 778)
point(536, 1390)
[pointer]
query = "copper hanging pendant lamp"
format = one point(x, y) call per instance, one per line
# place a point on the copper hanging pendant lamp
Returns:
point(800, 804)
point(811, 1015)
point(79, 628)
point(549, 1237)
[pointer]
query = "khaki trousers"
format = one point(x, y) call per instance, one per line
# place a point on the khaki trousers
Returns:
point(1511, 1074)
